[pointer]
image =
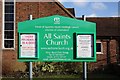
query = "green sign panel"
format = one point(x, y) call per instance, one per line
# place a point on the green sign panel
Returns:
point(57, 38)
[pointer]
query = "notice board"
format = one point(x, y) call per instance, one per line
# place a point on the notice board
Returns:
point(56, 38)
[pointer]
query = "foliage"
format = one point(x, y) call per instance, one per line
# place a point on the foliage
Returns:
point(50, 68)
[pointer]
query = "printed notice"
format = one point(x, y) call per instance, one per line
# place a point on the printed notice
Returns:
point(28, 45)
point(84, 46)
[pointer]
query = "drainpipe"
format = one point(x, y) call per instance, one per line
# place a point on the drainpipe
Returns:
point(108, 52)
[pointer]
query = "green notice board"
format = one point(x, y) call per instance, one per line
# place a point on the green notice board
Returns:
point(57, 39)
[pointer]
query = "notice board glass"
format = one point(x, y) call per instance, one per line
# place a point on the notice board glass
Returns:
point(84, 46)
point(28, 45)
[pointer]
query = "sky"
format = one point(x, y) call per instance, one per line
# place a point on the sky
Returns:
point(93, 8)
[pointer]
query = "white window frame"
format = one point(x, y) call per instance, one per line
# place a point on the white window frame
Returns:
point(99, 41)
point(3, 26)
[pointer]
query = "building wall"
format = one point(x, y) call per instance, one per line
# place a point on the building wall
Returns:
point(102, 58)
point(113, 51)
point(0, 37)
point(0, 23)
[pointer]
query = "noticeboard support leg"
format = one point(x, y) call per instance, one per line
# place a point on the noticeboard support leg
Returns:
point(84, 70)
point(30, 63)
point(30, 70)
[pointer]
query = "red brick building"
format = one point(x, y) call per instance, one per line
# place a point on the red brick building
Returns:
point(108, 37)
point(12, 13)
point(0, 37)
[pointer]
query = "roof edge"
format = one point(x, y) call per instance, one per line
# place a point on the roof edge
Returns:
point(57, 2)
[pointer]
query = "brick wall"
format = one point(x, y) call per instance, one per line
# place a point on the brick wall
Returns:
point(102, 58)
point(37, 10)
point(0, 23)
point(0, 37)
point(113, 46)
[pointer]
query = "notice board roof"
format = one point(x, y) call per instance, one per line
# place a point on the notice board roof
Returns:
point(55, 19)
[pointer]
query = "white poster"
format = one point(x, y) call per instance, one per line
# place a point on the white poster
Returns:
point(28, 45)
point(84, 46)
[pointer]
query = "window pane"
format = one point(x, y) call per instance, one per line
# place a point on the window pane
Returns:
point(9, 17)
point(9, 0)
point(9, 35)
point(98, 47)
point(9, 26)
point(9, 44)
point(9, 8)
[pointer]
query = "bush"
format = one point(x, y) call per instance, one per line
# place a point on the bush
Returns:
point(57, 68)
point(51, 68)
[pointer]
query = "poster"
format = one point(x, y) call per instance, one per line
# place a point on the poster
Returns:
point(28, 45)
point(84, 46)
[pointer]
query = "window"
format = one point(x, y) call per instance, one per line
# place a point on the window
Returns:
point(9, 17)
point(8, 24)
point(99, 47)
point(9, 8)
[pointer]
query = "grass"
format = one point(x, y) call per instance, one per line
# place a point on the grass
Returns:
point(97, 76)
point(52, 77)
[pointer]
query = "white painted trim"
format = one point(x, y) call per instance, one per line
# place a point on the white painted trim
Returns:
point(14, 22)
point(11, 49)
point(99, 41)
point(3, 21)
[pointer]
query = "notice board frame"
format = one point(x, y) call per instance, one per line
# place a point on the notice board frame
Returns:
point(92, 47)
point(36, 45)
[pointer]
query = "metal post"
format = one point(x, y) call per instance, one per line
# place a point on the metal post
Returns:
point(30, 63)
point(84, 70)
point(84, 63)
point(30, 70)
